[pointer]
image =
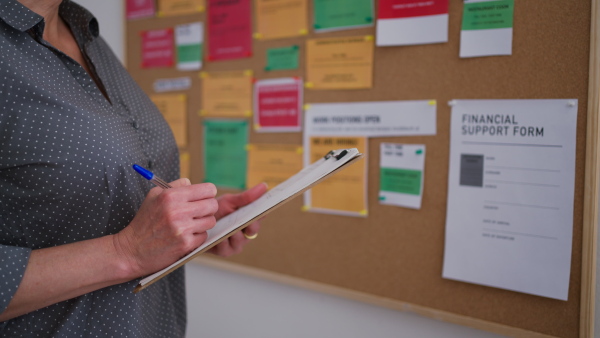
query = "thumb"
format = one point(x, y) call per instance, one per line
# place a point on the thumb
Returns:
point(251, 194)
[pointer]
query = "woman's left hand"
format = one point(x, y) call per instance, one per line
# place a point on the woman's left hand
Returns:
point(229, 203)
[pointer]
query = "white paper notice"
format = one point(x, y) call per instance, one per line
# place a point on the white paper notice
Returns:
point(172, 85)
point(401, 174)
point(509, 220)
point(189, 38)
point(370, 119)
point(401, 22)
point(487, 28)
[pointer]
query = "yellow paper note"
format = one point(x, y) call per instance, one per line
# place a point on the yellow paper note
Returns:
point(184, 164)
point(174, 109)
point(272, 163)
point(227, 94)
point(339, 63)
point(179, 7)
point(281, 18)
point(346, 191)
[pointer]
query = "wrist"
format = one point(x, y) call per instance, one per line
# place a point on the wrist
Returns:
point(124, 261)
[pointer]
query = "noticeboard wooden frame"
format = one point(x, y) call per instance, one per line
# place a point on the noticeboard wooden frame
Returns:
point(394, 257)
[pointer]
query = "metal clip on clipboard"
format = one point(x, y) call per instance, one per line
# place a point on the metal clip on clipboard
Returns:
point(338, 156)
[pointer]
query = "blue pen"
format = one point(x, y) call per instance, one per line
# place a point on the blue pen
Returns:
point(151, 177)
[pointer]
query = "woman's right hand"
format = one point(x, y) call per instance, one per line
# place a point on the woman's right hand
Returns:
point(170, 224)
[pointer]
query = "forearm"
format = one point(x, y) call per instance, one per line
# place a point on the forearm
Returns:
point(63, 272)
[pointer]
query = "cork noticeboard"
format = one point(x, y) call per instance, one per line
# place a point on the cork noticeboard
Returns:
point(394, 256)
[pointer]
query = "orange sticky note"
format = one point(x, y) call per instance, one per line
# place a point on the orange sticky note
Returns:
point(180, 7)
point(346, 191)
point(272, 163)
point(227, 94)
point(174, 109)
point(281, 18)
point(340, 63)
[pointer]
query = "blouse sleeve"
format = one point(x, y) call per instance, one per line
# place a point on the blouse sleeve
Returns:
point(13, 261)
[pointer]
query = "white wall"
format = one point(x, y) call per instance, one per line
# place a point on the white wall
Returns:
point(110, 15)
point(223, 304)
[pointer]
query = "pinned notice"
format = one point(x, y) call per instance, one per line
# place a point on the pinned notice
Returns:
point(412, 22)
point(227, 94)
point(333, 15)
point(174, 108)
point(225, 156)
point(139, 9)
point(157, 48)
point(179, 7)
point(277, 19)
point(189, 46)
point(229, 29)
point(346, 192)
point(371, 119)
point(284, 58)
point(511, 187)
point(273, 163)
point(487, 28)
point(278, 105)
point(339, 63)
point(401, 174)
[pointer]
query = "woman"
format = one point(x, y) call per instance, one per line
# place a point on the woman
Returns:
point(78, 227)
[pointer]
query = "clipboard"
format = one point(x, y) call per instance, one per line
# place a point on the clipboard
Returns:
point(306, 178)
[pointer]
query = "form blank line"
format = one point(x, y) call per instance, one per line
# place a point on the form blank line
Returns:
point(514, 144)
point(520, 234)
point(523, 205)
point(518, 168)
point(525, 183)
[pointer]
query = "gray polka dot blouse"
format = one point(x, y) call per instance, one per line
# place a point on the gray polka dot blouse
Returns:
point(65, 173)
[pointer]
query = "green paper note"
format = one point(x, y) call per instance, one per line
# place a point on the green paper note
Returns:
point(340, 14)
point(225, 156)
point(189, 53)
point(402, 181)
point(282, 58)
point(488, 15)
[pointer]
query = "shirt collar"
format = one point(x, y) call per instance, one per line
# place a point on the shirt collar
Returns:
point(82, 23)
point(18, 16)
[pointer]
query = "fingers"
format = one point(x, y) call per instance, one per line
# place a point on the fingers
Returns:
point(249, 195)
point(182, 182)
point(184, 191)
point(252, 229)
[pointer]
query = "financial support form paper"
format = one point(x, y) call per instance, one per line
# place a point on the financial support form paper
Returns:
point(509, 221)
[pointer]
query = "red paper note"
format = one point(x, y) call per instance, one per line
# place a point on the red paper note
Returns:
point(278, 105)
point(137, 9)
point(157, 48)
point(229, 29)
point(390, 9)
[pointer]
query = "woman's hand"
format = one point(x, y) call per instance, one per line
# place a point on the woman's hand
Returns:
point(229, 203)
point(170, 224)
